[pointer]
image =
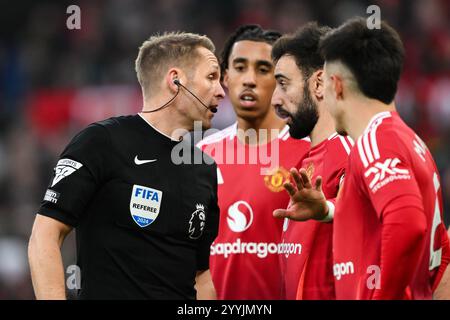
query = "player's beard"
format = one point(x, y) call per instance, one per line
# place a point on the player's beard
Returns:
point(305, 118)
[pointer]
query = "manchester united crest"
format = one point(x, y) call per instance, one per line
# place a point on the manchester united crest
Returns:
point(310, 171)
point(275, 180)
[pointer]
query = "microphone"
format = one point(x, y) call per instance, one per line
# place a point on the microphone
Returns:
point(178, 83)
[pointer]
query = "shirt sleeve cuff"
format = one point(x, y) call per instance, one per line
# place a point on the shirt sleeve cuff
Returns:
point(330, 215)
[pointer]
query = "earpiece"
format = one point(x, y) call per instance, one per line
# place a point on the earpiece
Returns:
point(177, 82)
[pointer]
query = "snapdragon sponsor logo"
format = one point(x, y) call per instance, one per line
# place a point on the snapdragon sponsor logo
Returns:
point(240, 216)
point(266, 155)
point(260, 249)
point(288, 248)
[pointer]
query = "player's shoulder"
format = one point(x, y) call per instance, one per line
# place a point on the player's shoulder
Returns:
point(219, 136)
point(285, 136)
point(335, 155)
point(385, 136)
point(292, 148)
point(289, 143)
point(388, 124)
point(338, 145)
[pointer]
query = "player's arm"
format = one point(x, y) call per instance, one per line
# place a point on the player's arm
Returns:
point(402, 240)
point(44, 254)
point(392, 188)
point(204, 286)
point(443, 290)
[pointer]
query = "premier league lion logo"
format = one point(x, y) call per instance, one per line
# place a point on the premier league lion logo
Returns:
point(197, 222)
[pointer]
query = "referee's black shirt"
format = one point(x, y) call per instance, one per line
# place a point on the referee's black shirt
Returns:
point(144, 225)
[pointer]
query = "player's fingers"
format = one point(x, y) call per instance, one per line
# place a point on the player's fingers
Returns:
point(280, 213)
point(319, 183)
point(297, 178)
point(290, 214)
point(289, 187)
point(305, 178)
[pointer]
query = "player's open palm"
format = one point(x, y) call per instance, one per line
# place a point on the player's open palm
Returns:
point(307, 201)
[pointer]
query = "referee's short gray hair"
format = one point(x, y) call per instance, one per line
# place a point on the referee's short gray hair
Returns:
point(161, 52)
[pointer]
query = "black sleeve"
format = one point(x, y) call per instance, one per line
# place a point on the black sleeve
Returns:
point(211, 228)
point(78, 174)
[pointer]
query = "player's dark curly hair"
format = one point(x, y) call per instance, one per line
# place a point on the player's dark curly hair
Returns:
point(374, 56)
point(252, 32)
point(303, 45)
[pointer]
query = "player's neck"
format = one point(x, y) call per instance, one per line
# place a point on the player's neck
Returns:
point(362, 112)
point(266, 128)
point(323, 129)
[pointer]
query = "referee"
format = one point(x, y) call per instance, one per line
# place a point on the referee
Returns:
point(144, 225)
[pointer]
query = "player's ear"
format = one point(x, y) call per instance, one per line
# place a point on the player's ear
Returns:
point(318, 87)
point(338, 86)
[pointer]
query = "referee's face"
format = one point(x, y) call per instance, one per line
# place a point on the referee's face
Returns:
point(206, 86)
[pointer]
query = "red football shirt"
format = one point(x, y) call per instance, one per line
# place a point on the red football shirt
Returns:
point(244, 260)
point(309, 275)
point(391, 194)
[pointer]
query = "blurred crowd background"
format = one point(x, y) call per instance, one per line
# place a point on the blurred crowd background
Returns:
point(54, 81)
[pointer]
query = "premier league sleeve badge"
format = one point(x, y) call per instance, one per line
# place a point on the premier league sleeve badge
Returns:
point(197, 222)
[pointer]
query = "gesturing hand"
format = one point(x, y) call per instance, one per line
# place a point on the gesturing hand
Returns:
point(307, 202)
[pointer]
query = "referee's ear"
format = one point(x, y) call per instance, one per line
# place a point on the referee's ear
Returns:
point(174, 74)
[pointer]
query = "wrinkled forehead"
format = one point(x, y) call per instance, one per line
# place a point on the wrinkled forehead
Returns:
point(285, 64)
point(287, 67)
point(207, 58)
point(251, 51)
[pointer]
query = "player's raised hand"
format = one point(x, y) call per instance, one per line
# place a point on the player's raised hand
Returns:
point(307, 201)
